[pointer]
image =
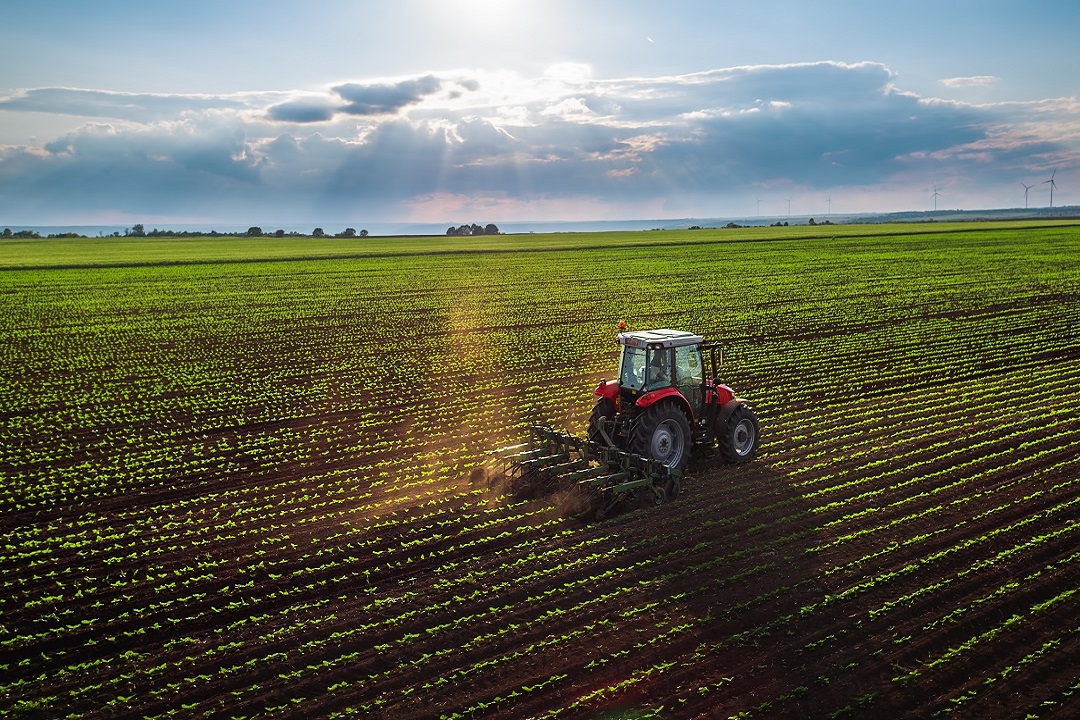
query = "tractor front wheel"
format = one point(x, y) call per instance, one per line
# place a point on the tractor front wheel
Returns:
point(663, 434)
point(739, 437)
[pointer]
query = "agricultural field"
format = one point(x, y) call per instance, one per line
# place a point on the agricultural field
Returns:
point(249, 478)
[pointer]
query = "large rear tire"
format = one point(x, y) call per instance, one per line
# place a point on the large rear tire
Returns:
point(740, 436)
point(663, 434)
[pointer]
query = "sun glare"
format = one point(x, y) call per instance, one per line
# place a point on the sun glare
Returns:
point(485, 15)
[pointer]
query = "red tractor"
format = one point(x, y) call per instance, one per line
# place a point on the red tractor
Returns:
point(643, 429)
point(663, 404)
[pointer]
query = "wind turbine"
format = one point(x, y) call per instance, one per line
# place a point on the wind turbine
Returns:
point(757, 203)
point(1052, 186)
point(789, 207)
point(829, 200)
point(1026, 188)
point(936, 195)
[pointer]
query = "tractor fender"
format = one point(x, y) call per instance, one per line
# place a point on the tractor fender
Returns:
point(608, 389)
point(718, 393)
point(651, 398)
point(725, 412)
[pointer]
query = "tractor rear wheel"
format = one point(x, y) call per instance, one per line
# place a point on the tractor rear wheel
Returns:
point(663, 434)
point(738, 439)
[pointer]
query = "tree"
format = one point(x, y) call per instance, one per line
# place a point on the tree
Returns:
point(279, 233)
point(254, 231)
point(473, 229)
point(318, 232)
point(347, 233)
point(136, 230)
point(7, 232)
point(363, 233)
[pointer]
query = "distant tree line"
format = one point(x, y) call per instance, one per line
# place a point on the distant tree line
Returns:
point(7, 233)
point(20, 234)
point(474, 229)
point(256, 231)
point(138, 230)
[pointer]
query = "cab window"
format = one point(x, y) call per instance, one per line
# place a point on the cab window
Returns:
point(632, 368)
point(659, 369)
point(690, 375)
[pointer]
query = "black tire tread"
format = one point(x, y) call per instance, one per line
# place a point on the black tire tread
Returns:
point(648, 422)
point(726, 439)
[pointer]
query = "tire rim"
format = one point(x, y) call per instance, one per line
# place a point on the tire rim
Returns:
point(743, 438)
point(667, 444)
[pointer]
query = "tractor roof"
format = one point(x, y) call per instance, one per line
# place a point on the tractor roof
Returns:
point(658, 338)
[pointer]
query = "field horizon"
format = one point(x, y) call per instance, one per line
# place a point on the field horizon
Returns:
point(384, 228)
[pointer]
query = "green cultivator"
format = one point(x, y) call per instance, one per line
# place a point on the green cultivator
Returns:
point(591, 478)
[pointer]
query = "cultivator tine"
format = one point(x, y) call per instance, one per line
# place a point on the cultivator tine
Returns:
point(605, 479)
point(587, 474)
point(521, 458)
point(591, 477)
point(503, 451)
point(612, 501)
point(532, 466)
point(543, 461)
point(561, 470)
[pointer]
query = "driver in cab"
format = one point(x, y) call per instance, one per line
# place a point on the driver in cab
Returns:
point(659, 373)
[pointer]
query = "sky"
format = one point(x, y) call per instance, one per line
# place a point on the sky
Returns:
point(285, 112)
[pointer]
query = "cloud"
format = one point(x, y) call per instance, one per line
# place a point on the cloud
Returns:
point(570, 107)
point(972, 81)
point(364, 100)
point(569, 71)
point(698, 143)
point(385, 99)
point(302, 111)
point(138, 107)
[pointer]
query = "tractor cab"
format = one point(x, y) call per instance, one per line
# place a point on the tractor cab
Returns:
point(654, 360)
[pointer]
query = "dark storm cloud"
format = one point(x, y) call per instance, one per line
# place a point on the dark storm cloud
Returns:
point(301, 111)
point(362, 100)
point(385, 99)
